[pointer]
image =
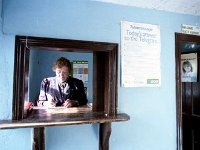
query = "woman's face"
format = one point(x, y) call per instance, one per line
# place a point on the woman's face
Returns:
point(187, 68)
point(62, 73)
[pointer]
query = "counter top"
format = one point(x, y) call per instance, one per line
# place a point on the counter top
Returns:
point(43, 117)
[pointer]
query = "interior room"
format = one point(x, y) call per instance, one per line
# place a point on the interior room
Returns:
point(163, 117)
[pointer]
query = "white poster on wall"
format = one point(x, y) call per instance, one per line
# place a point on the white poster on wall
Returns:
point(140, 55)
point(189, 67)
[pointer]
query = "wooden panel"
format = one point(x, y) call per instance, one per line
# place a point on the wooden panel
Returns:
point(42, 118)
point(187, 95)
point(196, 98)
point(191, 132)
point(178, 92)
point(191, 98)
point(104, 135)
point(38, 139)
point(104, 75)
point(105, 71)
point(99, 75)
point(187, 133)
point(196, 138)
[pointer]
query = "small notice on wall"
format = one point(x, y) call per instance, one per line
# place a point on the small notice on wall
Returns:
point(188, 29)
point(189, 67)
point(140, 55)
point(80, 70)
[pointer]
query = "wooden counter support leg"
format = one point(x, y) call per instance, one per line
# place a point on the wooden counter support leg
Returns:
point(39, 138)
point(104, 135)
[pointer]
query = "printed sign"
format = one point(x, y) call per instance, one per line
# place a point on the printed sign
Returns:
point(140, 54)
point(188, 29)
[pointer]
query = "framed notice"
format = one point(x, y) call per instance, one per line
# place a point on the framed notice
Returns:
point(80, 70)
point(189, 67)
point(140, 55)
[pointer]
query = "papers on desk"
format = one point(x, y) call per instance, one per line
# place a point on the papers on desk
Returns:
point(55, 110)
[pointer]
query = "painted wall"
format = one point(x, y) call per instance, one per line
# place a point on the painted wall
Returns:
point(152, 110)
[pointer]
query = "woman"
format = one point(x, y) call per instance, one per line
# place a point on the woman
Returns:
point(187, 72)
point(62, 90)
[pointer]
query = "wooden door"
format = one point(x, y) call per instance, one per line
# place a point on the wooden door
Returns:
point(188, 96)
point(191, 115)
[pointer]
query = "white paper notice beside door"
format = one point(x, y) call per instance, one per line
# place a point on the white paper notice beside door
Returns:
point(140, 55)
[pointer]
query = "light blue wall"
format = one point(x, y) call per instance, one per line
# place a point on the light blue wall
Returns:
point(6, 71)
point(152, 110)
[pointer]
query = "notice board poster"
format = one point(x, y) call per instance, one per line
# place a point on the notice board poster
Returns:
point(80, 70)
point(189, 67)
point(140, 55)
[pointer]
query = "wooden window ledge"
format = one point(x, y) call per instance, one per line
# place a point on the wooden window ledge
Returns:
point(60, 117)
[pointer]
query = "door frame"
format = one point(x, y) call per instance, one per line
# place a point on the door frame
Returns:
point(178, 91)
point(180, 37)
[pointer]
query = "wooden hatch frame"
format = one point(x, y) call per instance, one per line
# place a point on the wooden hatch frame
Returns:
point(105, 71)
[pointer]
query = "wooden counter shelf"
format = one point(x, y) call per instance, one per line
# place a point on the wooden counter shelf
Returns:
point(62, 116)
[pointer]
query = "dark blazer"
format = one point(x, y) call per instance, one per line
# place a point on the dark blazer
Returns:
point(74, 90)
